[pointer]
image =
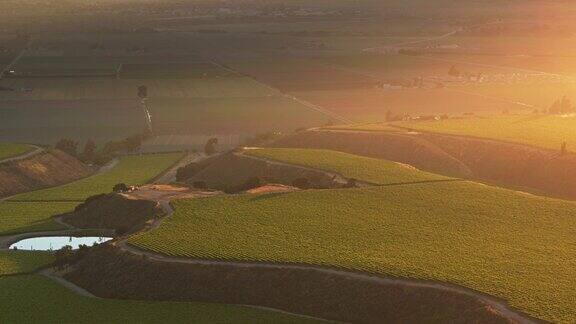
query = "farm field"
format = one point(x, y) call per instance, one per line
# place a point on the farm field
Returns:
point(396, 30)
point(185, 98)
point(530, 45)
point(22, 217)
point(377, 127)
point(232, 115)
point(8, 150)
point(14, 262)
point(371, 170)
point(173, 71)
point(539, 95)
point(91, 88)
point(32, 298)
point(373, 104)
point(537, 63)
point(131, 169)
point(538, 130)
point(297, 74)
point(394, 67)
point(465, 233)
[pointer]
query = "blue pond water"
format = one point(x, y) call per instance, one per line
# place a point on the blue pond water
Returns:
point(52, 243)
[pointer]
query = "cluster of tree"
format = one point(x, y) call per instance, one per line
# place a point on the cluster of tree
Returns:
point(90, 153)
point(188, 171)
point(391, 116)
point(455, 72)
point(66, 256)
point(562, 106)
point(120, 187)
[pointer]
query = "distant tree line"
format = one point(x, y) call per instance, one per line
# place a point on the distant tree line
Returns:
point(90, 153)
point(562, 106)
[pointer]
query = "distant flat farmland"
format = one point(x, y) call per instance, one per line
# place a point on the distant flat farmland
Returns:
point(540, 95)
point(231, 115)
point(373, 104)
point(173, 71)
point(390, 67)
point(46, 121)
point(111, 88)
point(299, 74)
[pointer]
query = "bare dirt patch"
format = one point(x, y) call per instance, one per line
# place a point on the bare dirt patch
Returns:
point(163, 192)
point(272, 188)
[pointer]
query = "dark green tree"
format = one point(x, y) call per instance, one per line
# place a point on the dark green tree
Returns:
point(210, 147)
point(89, 152)
point(67, 145)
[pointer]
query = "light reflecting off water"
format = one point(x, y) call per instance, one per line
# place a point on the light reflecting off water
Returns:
point(52, 243)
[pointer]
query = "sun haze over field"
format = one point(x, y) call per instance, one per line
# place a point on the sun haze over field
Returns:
point(287, 161)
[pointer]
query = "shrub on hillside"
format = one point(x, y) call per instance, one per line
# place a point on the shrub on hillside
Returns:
point(187, 171)
point(120, 187)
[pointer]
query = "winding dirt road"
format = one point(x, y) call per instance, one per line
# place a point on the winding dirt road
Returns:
point(169, 175)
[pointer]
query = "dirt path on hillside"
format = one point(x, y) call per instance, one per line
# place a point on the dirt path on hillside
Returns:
point(338, 178)
point(35, 151)
point(169, 175)
point(51, 274)
point(415, 132)
point(496, 304)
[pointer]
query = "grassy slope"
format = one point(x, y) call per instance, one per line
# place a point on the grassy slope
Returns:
point(27, 299)
point(31, 211)
point(543, 131)
point(348, 165)
point(13, 262)
point(21, 217)
point(500, 242)
point(132, 170)
point(8, 150)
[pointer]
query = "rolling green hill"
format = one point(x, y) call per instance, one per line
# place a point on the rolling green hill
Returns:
point(132, 170)
point(504, 243)
point(366, 169)
point(21, 217)
point(542, 131)
point(29, 212)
